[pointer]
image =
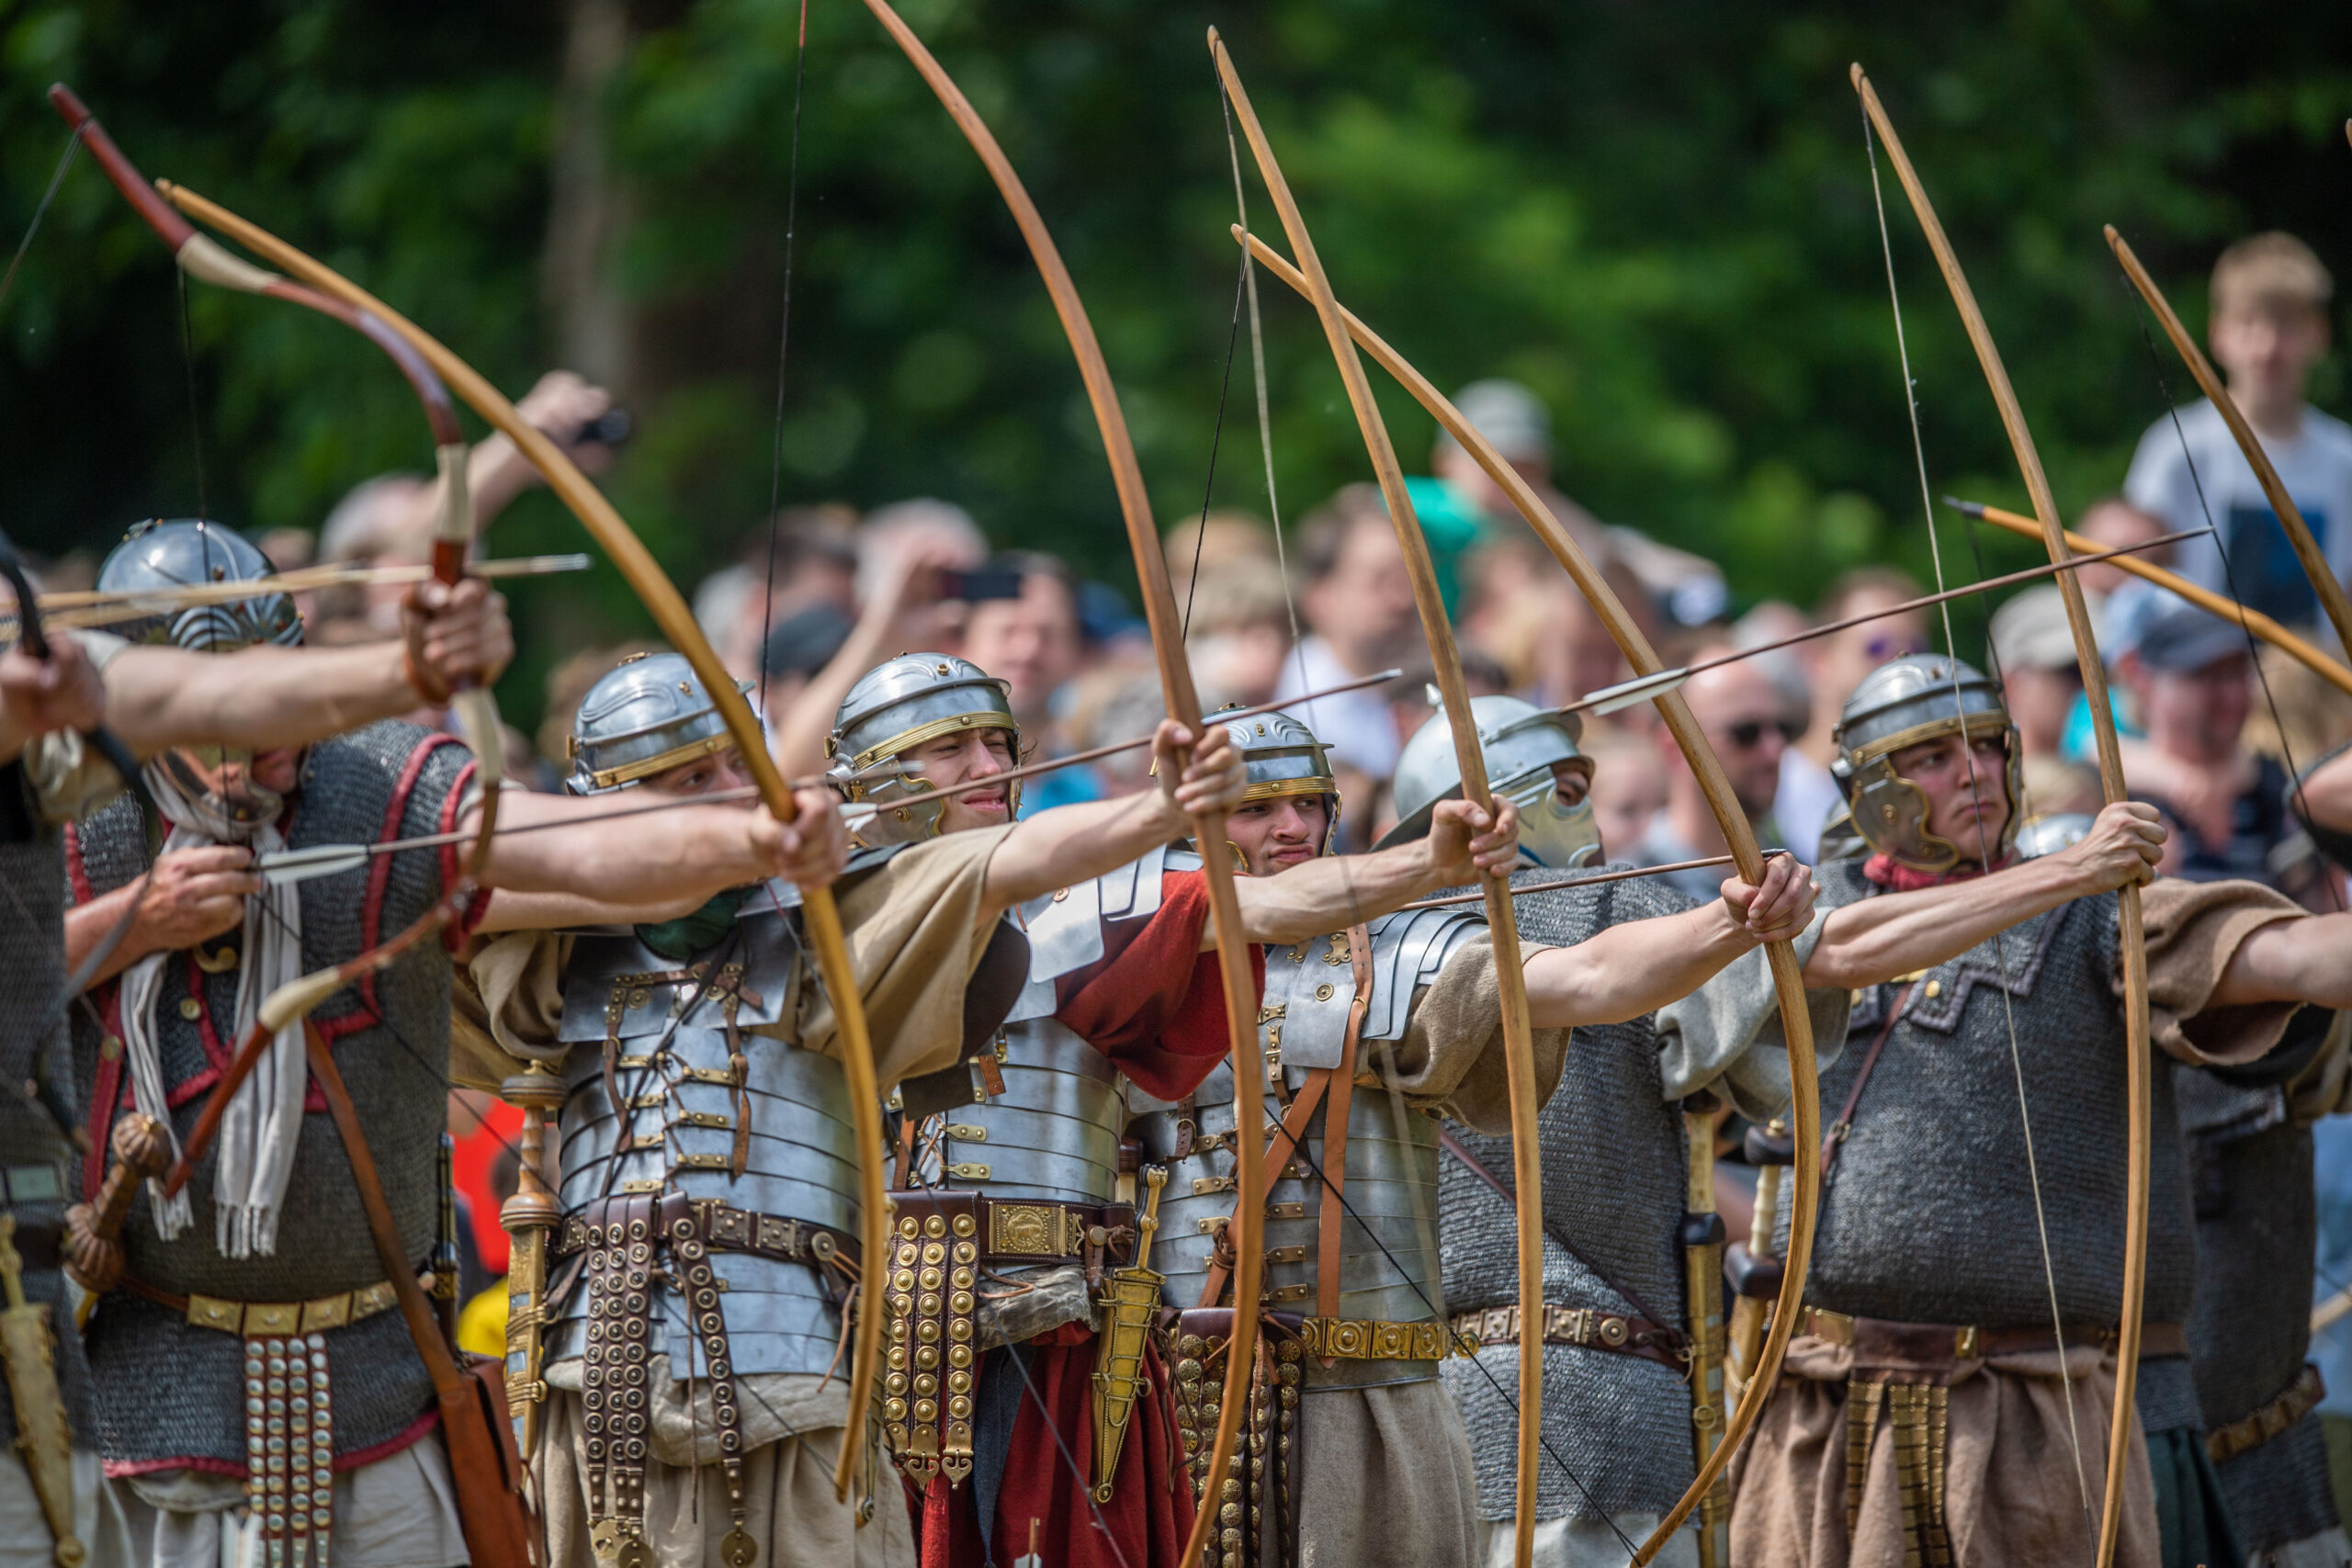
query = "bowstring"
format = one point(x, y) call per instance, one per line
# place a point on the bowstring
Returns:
point(56, 179)
point(2229, 576)
point(195, 420)
point(783, 349)
point(1217, 441)
point(1983, 851)
point(1258, 372)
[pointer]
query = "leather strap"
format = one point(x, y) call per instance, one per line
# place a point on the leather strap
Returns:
point(1883, 1343)
point(1835, 1139)
point(1278, 1151)
point(1329, 1232)
point(2253, 1431)
point(423, 1327)
point(1476, 1166)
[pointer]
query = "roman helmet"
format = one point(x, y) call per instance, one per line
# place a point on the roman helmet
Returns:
point(895, 708)
point(1521, 743)
point(185, 552)
point(1917, 697)
point(1283, 759)
point(182, 553)
point(648, 714)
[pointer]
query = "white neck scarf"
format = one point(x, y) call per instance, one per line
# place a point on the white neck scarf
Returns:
point(264, 1119)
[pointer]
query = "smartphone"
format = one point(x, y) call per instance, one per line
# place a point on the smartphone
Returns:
point(985, 583)
point(609, 429)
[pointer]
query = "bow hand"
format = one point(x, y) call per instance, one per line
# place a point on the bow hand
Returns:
point(63, 691)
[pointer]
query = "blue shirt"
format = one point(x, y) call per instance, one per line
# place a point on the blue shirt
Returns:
point(2332, 1176)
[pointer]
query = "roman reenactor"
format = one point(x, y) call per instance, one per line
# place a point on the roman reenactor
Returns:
point(148, 697)
point(1634, 1330)
point(1947, 1394)
point(685, 1355)
point(1354, 1451)
point(263, 1383)
point(1064, 1423)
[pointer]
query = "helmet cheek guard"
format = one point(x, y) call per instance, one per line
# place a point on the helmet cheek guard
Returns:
point(895, 708)
point(1906, 702)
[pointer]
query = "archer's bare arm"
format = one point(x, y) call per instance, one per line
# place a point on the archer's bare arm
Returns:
point(1624, 971)
point(1902, 933)
point(1069, 844)
point(263, 698)
point(1317, 896)
point(664, 857)
point(2307, 960)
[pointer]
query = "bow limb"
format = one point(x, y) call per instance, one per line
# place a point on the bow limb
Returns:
point(821, 916)
point(1183, 705)
point(2291, 517)
point(1519, 1051)
point(1788, 982)
point(2300, 650)
point(2133, 946)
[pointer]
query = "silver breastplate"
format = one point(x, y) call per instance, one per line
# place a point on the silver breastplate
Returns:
point(1388, 1252)
point(1052, 1135)
point(680, 1112)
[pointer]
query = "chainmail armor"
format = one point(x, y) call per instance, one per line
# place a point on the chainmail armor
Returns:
point(1620, 1424)
point(169, 1391)
point(2256, 1234)
point(1928, 1214)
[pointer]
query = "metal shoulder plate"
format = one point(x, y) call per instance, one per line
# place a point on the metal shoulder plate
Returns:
point(651, 992)
point(1065, 928)
point(1313, 982)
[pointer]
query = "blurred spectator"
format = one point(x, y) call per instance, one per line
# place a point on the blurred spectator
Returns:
point(808, 557)
point(1807, 797)
point(2032, 646)
point(942, 531)
point(1528, 614)
point(1228, 541)
point(1628, 789)
point(2113, 524)
point(1740, 712)
point(1033, 641)
point(904, 611)
point(2056, 786)
point(1358, 605)
point(1110, 704)
point(1240, 634)
point(2269, 327)
point(1517, 425)
point(1837, 663)
point(1411, 696)
point(388, 520)
point(2191, 681)
point(797, 651)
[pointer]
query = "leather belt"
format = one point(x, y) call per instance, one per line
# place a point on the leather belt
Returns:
point(1019, 1232)
point(724, 1228)
point(2302, 1396)
point(1876, 1341)
point(250, 1319)
point(1368, 1339)
point(1586, 1327)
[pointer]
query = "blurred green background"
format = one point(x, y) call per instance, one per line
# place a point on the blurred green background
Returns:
point(1658, 214)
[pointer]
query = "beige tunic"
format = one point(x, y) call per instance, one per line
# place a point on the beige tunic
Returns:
point(2014, 1424)
point(915, 929)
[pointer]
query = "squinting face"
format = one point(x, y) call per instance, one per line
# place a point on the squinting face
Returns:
point(703, 776)
point(251, 786)
point(1274, 835)
point(946, 761)
point(1968, 803)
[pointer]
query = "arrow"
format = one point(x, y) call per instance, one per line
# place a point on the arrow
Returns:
point(1610, 699)
point(1591, 879)
point(95, 607)
point(282, 866)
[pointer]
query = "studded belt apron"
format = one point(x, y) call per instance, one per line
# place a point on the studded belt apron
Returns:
point(624, 1235)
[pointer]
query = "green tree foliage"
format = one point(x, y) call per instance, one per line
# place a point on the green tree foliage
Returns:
point(1660, 216)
